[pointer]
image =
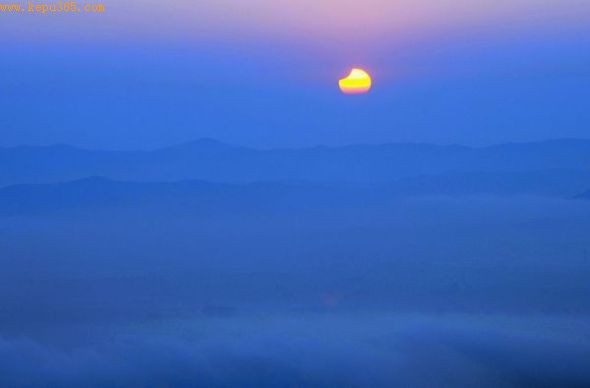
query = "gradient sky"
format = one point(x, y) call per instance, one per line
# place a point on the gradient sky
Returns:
point(264, 72)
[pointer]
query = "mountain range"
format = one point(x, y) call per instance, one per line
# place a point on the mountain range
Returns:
point(207, 175)
point(210, 160)
point(206, 197)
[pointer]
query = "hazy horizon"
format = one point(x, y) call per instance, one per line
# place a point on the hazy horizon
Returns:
point(310, 146)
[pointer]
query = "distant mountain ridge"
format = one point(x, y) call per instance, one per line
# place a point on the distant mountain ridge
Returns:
point(210, 160)
point(206, 197)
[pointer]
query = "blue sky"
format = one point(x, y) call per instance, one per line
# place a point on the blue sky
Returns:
point(447, 71)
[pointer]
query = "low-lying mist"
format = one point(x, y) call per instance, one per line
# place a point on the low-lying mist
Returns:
point(412, 291)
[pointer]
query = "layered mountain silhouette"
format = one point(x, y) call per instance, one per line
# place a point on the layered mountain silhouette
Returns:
point(207, 197)
point(210, 160)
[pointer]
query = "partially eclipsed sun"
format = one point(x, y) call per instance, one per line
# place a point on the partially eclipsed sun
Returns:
point(357, 82)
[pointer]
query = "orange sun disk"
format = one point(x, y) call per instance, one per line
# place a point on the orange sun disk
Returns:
point(357, 82)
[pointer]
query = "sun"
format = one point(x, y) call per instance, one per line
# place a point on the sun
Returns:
point(357, 82)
